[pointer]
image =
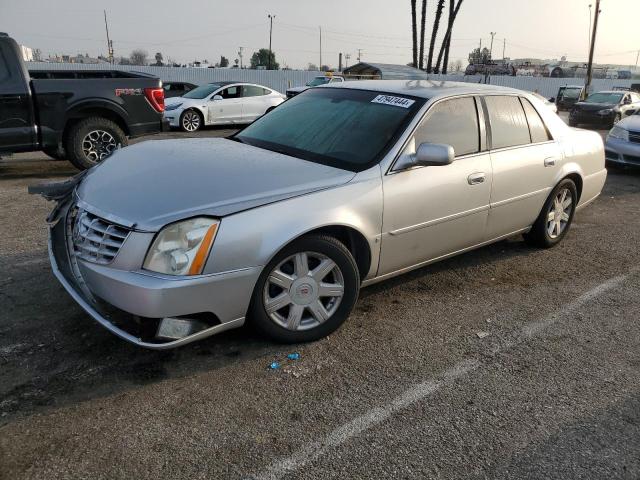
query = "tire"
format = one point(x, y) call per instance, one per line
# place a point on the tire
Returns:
point(573, 123)
point(57, 153)
point(92, 140)
point(542, 235)
point(191, 121)
point(297, 316)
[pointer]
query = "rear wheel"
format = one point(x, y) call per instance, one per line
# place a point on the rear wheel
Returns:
point(307, 291)
point(92, 140)
point(191, 121)
point(556, 216)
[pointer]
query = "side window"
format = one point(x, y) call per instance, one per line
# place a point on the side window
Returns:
point(266, 91)
point(252, 91)
point(537, 128)
point(508, 123)
point(5, 74)
point(231, 92)
point(452, 122)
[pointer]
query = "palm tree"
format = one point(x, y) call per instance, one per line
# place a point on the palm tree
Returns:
point(434, 33)
point(446, 42)
point(422, 25)
point(414, 28)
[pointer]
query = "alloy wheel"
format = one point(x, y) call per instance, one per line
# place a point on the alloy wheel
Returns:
point(559, 213)
point(303, 291)
point(97, 145)
point(191, 121)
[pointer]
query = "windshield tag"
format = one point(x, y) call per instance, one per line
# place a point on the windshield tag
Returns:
point(395, 101)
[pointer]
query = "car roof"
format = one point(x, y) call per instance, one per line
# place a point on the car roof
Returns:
point(422, 88)
point(611, 91)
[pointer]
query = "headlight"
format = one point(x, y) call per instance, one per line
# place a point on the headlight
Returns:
point(172, 107)
point(606, 111)
point(182, 248)
point(620, 133)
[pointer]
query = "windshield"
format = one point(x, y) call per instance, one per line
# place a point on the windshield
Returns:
point(344, 128)
point(202, 91)
point(604, 97)
point(570, 92)
point(318, 81)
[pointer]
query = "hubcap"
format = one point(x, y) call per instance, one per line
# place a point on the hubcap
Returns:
point(191, 121)
point(97, 145)
point(559, 213)
point(303, 291)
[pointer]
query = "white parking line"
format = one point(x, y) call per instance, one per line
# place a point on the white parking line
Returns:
point(419, 392)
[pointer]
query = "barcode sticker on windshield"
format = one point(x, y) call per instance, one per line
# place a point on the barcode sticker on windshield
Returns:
point(395, 101)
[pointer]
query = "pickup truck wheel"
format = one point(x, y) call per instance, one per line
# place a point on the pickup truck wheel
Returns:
point(57, 153)
point(191, 121)
point(92, 140)
point(306, 292)
point(556, 216)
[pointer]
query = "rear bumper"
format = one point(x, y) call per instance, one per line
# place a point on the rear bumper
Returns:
point(131, 304)
point(147, 128)
point(622, 153)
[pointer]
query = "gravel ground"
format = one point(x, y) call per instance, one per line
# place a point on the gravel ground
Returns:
point(506, 362)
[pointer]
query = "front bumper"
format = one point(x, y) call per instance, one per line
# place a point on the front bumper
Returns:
point(592, 118)
point(622, 152)
point(172, 117)
point(131, 304)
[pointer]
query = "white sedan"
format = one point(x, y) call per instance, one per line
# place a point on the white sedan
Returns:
point(221, 103)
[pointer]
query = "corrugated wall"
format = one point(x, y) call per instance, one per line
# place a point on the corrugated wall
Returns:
point(282, 79)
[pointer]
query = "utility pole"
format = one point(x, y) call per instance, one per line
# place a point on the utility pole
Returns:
point(504, 47)
point(359, 54)
point(592, 47)
point(320, 28)
point(637, 56)
point(271, 17)
point(493, 34)
point(347, 57)
point(240, 55)
point(109, 42)
point(589, 32)
point(340, 62)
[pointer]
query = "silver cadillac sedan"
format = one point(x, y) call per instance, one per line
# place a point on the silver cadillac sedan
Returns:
point(281, 224)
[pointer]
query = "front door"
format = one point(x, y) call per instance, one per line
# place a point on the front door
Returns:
point(17, 128)
point(228, 109)
point(525, 161)
point(430, 212)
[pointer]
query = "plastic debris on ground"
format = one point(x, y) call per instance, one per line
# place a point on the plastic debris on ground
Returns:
point(293, 356)
point(274, 365)
point(482, 334)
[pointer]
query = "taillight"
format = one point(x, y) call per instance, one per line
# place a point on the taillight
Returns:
point(156, 98)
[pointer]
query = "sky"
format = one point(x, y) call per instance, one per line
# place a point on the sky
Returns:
point(189, 30)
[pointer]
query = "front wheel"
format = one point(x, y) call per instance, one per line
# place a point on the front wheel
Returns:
point(190, 121)
point(556, 216)
point(306, 292)
point(92, 140)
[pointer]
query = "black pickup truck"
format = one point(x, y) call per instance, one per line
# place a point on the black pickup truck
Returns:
point(80, 115)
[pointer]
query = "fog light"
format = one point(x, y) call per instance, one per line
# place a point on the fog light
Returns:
point(177, 328)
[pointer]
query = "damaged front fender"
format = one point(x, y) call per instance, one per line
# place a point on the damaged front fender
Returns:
point(59, 192)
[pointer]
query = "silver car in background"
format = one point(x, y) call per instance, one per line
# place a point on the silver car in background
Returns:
point(167, 242)
point(623, 142)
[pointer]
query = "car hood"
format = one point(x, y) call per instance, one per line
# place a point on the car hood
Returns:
point(593, 107)
point(153, 183)
point(631, 123)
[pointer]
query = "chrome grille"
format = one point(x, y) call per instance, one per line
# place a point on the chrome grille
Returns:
point(634, 137)
point(95, 239)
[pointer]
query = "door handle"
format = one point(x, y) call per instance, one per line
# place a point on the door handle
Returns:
point(476, 178)
point(549, 161)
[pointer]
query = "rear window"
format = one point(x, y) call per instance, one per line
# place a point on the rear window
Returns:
point(537, 128)
point(509, 126)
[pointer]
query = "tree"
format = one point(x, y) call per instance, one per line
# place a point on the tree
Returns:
point(159, 59)
point(477, 56)
point(124, 61)
point(312, 67)
point(261, 58)
point(423, 20)
point(446, 43)
point(224, 61)
point(455, 66)
point(414, 29)
point(434, 34)
point(325, 68)
point(138, 57)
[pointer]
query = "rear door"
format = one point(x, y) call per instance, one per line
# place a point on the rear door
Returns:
point(255, 102)
point(17, 126)
point(228, 109)
point(525, 161)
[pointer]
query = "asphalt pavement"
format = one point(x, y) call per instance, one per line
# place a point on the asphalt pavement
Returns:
point(508, 362)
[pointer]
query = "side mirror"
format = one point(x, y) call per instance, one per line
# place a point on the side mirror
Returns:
point(627, 101)
point(552, 99)
point(217, 97)
point(434, 154)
